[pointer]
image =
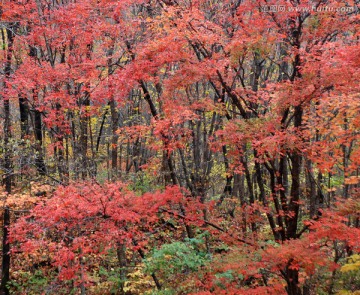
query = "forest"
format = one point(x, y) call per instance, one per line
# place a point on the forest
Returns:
point(167, 147)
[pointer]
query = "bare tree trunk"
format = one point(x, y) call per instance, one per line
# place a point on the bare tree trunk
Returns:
point(121, 255)
point(311, 189)
point(24, 117)
point(5, 268)
point(114, 139)
point(292, 280)
point(24, 128)
point(296, 160)
point(84, 136)
point(7, 120)
point(39, 160)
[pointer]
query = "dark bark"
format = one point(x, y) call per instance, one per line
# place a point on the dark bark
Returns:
point(5, 268)
point(296, 160)
point(100, 131)
point(7, 120)
point(292, 280)
point(228, 188)
point(62, 164)
point(250, 188)
point(276, 202)
point(84, 104)
point(310, 189)
point(121, 255)
point(24, 116)
point(114, 138)
point(39, 160)
point(261, 185)
point(7, 156)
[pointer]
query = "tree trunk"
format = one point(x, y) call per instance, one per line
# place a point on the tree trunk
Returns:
point(7, 121)
point(292, 279)
point(5, 268)
point(114, 139)
point(84, 136)
point(24, 117)
point(39, 160)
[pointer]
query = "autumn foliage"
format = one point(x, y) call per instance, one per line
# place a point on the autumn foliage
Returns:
point(180, 147)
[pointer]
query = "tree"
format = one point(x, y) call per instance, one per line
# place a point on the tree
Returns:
point(249, 113)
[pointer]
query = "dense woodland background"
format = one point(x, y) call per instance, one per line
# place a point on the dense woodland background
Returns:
point(180, 147)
